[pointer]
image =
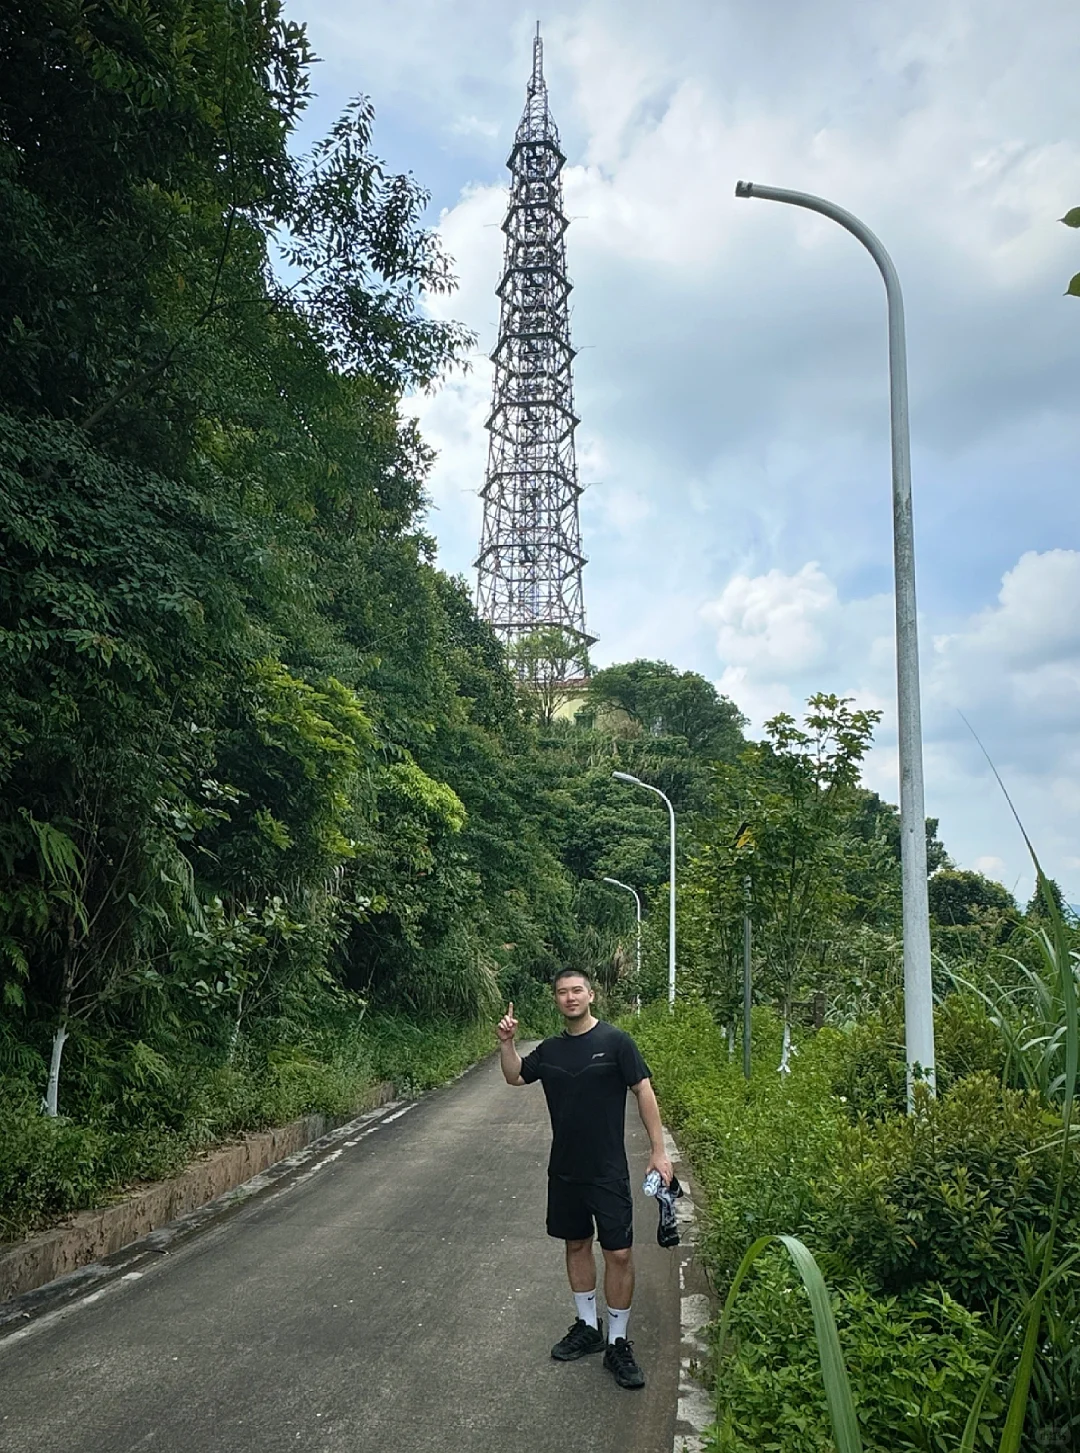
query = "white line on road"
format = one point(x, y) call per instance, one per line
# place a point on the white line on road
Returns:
point(331, 1156)
point(398, 1113)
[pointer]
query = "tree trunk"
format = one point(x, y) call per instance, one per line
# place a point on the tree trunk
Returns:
point(784, 1067)
point(52, 1089)
point(235, 1036)
point(49, 1104)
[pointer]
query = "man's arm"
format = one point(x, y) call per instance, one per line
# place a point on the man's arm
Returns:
point(509, 1058)
point(649, 1111)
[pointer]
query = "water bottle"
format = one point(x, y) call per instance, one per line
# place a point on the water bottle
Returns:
point(653, 1182)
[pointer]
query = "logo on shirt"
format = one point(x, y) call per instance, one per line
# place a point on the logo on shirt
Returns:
point(599, 1056)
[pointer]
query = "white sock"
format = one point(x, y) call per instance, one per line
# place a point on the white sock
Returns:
point(616, 1323)
point(586, 1306)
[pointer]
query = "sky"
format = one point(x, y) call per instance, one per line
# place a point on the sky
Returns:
point(732, 377)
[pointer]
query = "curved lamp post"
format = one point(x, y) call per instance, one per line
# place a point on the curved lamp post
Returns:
point(637, 782)
point(615, 883)
point(918, 983)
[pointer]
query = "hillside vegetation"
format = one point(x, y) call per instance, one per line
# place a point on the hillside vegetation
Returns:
point(274, 819)
point(277, 821)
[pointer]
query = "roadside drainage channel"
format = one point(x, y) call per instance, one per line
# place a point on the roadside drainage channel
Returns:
point(90, 1281)
point(695, 1411)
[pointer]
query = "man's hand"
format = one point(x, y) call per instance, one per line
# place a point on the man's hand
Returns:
point(661, 1163)
point(509, 1058)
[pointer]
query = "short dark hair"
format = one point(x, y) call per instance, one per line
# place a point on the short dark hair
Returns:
point(571, 974)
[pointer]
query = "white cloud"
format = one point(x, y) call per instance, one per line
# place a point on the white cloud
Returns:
point(475, 126)
point(990, 867)
point(775, 617)
point(732, 380)
point(1013, 669)
point(1022, 654)
point(781, 637)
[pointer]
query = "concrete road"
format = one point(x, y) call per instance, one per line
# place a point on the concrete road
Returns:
point(403, 1297)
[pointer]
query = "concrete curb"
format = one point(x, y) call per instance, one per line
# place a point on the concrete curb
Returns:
point(92, 1236)
point(695, 1411)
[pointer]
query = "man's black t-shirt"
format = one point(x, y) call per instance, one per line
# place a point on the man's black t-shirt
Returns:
point(585, 1079)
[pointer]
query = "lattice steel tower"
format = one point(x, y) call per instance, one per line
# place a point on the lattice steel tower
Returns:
point(530, 561)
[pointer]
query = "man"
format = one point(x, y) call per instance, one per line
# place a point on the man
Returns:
point(586, 1072)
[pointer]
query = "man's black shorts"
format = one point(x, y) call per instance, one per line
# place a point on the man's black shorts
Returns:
point(573, 1207)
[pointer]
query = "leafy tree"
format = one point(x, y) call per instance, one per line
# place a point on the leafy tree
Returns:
point(876, 818)
point(198, 451)
point(970, 916)
point(1036, 910)
point(662, 701)
point(148, 182)
point(781, 823)
point(957, 896)
point(550, 663)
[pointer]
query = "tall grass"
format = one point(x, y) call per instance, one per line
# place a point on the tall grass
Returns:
point(1030, 1017)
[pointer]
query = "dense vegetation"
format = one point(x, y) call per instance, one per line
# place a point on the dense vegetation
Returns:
point(277, 820)
point(274, 819)
point(949, 1237)
point(928, 1228)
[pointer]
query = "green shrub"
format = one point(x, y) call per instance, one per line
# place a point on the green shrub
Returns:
point(138, 1115)
point(417, 1056)
point(47, 1167)
point(871, 1071)
point(929, 1226)
point(914, 1366)
point(870, 1075)
point(944, 1196)
point(1054, 1405)
point(758, 1146)
point(967, 1041)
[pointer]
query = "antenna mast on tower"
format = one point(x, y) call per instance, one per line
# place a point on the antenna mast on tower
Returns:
point(530, 560)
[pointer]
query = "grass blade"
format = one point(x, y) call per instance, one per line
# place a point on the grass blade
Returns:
point(842, 1413)
point(752, 1254)
point(838, 1399)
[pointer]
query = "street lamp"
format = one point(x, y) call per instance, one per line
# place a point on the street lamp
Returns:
point(918, 982)
point(637, 782)
point(637, 901)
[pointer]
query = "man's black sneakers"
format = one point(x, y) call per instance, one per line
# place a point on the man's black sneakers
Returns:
point(619, 1360)
point(578, 1342)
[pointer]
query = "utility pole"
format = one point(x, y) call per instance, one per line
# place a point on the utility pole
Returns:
point(637, 782)
point(637, 904)
point(918, 979)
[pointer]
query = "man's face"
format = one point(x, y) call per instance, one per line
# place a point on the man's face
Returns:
point(573, 996)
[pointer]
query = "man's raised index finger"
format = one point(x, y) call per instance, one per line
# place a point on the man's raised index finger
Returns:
point(510, 1011)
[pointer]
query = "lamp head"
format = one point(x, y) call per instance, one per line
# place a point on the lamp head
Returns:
point(626, 777)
